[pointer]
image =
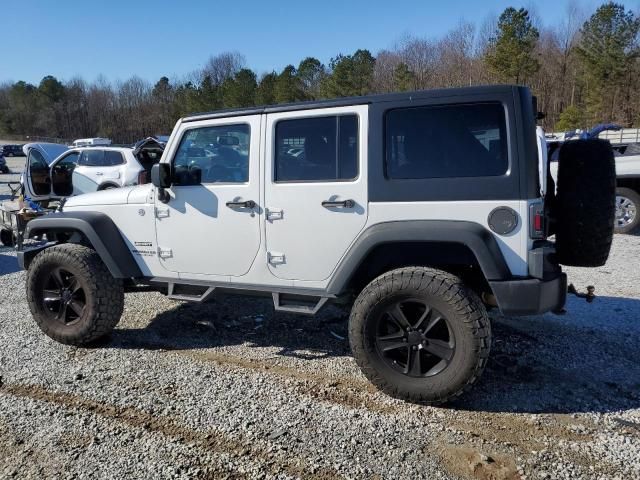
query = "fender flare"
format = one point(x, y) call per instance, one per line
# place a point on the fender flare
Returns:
point(99, 230)
point(477, 238)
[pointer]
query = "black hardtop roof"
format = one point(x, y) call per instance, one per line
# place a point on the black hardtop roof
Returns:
point(347, 101)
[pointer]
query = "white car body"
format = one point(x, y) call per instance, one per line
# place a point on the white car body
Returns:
point(273, 247)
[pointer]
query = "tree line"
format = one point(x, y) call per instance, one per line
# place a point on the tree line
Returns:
point(584, 70)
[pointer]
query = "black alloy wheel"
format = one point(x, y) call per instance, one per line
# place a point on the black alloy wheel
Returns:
point(63, 296)
point(414, 338)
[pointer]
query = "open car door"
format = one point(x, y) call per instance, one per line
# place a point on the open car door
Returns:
point(37, 179)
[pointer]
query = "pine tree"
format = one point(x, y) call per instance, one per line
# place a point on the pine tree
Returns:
point(609, 51)
point(511, 51)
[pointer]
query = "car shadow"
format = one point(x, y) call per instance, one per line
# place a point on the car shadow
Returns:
point(584, 361)
point(236, 320)
point(8, 263)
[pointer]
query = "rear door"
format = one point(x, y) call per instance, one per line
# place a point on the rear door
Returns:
point(315, 189)
point(97, 168)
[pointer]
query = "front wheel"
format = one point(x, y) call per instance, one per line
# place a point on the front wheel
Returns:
point(627, 204)
point(420, 335)
point(72, 296)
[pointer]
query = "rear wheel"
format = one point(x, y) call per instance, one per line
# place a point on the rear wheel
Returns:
point(627, 205)
point(72, 296)
point(420, 335)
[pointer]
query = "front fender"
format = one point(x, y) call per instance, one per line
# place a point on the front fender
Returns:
point(99, 230)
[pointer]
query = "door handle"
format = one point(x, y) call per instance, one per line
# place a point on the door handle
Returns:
point(339, 204)
point(247, 204)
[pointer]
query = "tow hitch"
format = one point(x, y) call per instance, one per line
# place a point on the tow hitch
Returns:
point(589, 296)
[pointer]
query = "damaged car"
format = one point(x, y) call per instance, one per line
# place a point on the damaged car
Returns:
point(53, 172)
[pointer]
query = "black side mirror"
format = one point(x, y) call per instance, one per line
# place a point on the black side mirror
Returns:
point(161, 175)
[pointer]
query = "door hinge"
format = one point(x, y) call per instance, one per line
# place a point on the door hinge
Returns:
point(162, 212)
point(165, 252)
point(274, 214)
point(275, 258)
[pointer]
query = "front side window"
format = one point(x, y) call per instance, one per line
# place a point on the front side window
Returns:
point(317, 149)
point(218, 154)
point(446, 141)
point(93, 158)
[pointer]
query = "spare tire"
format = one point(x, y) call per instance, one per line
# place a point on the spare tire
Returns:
point(585, 206)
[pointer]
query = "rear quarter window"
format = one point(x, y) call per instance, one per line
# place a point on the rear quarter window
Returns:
point(446, 141)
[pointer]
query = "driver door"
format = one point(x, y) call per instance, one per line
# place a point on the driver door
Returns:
point(210, 224)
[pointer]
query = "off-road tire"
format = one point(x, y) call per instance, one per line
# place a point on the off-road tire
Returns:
point(104, 295)
point(464, 312)
point(634, 197)
point(585, 205)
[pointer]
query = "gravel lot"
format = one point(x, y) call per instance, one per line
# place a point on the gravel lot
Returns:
point(231, 389)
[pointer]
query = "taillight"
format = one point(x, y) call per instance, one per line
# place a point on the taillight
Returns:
point(536, 222)
point(142, 177)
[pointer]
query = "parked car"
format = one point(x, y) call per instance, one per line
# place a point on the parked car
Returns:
point(4, 168)
point(91, 142)
point(627, 161)
point(12, 150)
point(417, 211)
point(80, 170)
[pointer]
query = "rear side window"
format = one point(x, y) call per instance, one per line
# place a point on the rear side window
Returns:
point(446, 141)
point(317, 149)
point(112, 158)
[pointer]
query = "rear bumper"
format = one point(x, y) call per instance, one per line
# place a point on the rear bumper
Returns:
point(531, 296)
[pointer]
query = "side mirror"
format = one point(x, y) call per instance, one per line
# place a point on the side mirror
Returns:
point(161, 175)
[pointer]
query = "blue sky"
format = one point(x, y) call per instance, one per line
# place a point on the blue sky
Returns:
point(153, 38)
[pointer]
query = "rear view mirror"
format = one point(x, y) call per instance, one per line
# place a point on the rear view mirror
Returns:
point(161, 175)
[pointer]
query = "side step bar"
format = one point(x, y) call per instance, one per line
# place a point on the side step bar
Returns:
point(288, 301)
point(306, 307)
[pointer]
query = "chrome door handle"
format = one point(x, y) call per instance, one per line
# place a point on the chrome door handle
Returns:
point(339, 204)
point(247, 204)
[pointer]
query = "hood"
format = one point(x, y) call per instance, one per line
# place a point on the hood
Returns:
point(50, 151)
point(112, 196)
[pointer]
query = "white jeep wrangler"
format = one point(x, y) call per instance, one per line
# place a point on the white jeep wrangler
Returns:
point(416, 210)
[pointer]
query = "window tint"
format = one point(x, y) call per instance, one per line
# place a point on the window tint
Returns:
point(446, 141)
point(93, 158)
point(215, 154)
point(113, 158)
point(320, 148)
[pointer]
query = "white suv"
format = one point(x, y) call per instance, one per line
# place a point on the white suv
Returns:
point(417, 211)
point(87, 169)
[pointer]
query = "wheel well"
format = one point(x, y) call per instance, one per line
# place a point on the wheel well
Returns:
point(108, 185)
point(633, 183)
point(455, 258)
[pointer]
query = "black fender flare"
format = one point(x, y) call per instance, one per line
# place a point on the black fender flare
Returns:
point(477, 238)
point(98, 229)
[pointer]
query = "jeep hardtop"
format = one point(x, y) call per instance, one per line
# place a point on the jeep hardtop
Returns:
point(417, 211)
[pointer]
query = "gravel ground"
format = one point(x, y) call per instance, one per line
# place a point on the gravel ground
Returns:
point(231, 389)
point(16, 166)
